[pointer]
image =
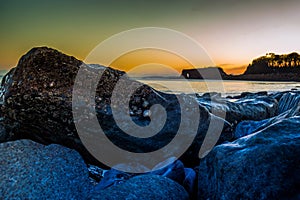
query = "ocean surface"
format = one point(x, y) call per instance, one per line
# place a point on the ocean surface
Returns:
point(227, 88)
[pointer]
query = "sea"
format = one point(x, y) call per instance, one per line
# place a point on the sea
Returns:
point(225, 87)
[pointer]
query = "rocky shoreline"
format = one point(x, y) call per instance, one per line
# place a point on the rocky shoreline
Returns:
point(256, 154)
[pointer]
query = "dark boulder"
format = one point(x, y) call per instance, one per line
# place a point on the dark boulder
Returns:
point(5, 83)
point(3, 133)
point(38, 98)
point(38, 105)
point(143, 187)
point(29, 170)
point(263, 165)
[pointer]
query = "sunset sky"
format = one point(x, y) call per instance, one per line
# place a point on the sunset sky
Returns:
point(233, 32)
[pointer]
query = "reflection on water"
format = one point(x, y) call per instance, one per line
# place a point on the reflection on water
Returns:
point(226, 87)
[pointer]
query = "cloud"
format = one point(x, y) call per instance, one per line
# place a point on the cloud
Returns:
point(226, 64)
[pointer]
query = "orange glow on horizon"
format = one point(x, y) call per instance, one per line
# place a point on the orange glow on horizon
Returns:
point(233, 69)
point(151, 62)
point(147, 57)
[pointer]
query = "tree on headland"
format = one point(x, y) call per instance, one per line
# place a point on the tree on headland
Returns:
point(274, 63)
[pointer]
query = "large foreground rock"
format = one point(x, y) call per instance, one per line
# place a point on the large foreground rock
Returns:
point(143, 187)
point(29, 170)
point(263, 165)
point(38, 105)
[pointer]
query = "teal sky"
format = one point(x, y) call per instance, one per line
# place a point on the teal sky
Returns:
point(233, 32)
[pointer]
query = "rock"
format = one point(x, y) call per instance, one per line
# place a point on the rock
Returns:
point(189, 182)
point(248, 127)
point(38, 99)
point(177, 172)
point(38, 105)
point(174, 171)
point(33, 171)
point(212, 130)
point(250, 95)
point(40, 88)
point(263, 165)
point(96, 173)
point(113, 177)
point(288, 101)
point(5, 83)
point(256, 106)
point(143, 187)
point(3, 133)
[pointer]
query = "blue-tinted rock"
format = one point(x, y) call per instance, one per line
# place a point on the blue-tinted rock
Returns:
point(248, 127)
point(29, 170)
point(177, 172)
point(143, 187)
point(189, 182)
point(288, 101)
point(263, 165)
point(174, 171)
point(112, 177)
point(95, 173)
point(250, 107)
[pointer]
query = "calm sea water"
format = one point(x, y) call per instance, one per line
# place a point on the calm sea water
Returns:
point(225, 87)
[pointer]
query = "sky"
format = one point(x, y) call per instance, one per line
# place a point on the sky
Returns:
point(233, 32)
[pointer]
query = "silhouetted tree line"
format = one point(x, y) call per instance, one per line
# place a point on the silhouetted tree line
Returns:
point(273, 63)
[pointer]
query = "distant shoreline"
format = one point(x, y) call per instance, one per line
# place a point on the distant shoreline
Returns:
point(272, 67)
point(235, 78)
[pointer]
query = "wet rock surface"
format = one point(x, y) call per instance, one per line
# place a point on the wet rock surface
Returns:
point(143, 187)
point(288, 101)
point(263, 165)
point(245, 128)
point(248, 106)
point(29, 170)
